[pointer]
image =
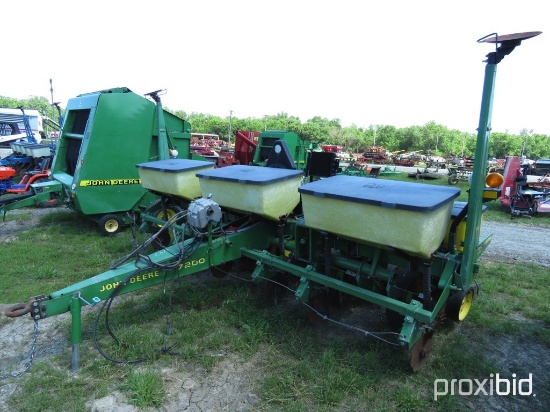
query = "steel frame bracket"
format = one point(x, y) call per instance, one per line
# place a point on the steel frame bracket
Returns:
point(304, 289)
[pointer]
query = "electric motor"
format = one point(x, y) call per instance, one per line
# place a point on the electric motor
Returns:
point(202, 211)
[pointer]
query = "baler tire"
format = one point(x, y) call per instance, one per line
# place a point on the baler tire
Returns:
point(110, 224)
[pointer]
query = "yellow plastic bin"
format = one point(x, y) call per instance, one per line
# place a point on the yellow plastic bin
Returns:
point(173, 176)
point(264, 191)
point(413, 217)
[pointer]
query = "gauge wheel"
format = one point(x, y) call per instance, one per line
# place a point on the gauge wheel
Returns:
point(164, 238)
point(110, 224)
point(155, 209)
point(171, 211)
point(459, 304)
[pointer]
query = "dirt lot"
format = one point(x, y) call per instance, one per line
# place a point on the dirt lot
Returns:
point(231, 385)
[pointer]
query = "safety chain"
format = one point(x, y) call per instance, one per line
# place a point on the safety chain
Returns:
point(30, 356)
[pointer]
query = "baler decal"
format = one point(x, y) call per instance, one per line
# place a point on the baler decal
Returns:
point(110, 182)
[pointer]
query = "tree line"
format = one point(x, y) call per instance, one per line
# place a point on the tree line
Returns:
point(430, 138)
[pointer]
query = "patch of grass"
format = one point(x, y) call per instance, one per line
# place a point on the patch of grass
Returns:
point(17, 217)
point(52, 387)
point(299, 367)
point(516, 296)
point(144, 388)
point(63, 249)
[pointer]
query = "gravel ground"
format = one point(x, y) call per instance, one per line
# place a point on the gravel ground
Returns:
point(231, 385)
point(517, 242)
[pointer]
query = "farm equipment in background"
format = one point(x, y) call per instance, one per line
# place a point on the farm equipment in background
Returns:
point(426, 174)
point(437, 162)
point(245, 146)
point(10, 134)
point(7, 174)
point(315, 232)
point(405, 159)
point(377, 154)
point(10, 125)
point(523, 194)
point(462, 171)
point(402, 161)
point(104, 135)
point(298, 148)
point(541, 167)
point(28, 164)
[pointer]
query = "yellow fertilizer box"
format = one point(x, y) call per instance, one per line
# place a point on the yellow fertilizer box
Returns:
point(413, 217)
point(265, 191)
point(173, 176)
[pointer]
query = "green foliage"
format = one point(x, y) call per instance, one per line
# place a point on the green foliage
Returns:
point(431, 138)
point(39, 103)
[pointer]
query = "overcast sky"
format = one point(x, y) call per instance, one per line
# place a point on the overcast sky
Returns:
point(399, 63)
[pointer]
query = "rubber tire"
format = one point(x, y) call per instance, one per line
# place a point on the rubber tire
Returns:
point(454, 303)
point(155, 209)
point(164, 239)
point(171, 210)
point(452, 180)
point(110, 224)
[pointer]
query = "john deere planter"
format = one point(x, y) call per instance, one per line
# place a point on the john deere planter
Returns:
point(410, 248)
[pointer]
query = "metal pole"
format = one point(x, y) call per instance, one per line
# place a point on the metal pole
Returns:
point(76, 335)
point(230, 127)
point(477, 184)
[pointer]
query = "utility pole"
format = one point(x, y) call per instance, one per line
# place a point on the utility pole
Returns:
point(265, 122)
point(230, 126)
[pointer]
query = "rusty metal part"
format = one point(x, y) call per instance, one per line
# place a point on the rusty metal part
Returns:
point(421, 352)
point(18, 309)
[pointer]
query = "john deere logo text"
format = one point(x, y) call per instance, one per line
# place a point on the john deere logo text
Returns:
point(110, 182)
